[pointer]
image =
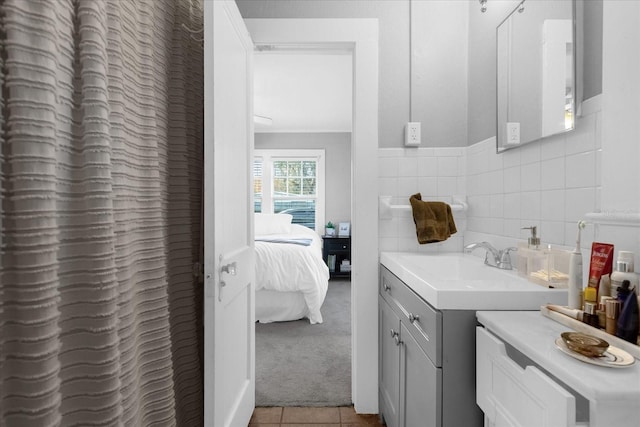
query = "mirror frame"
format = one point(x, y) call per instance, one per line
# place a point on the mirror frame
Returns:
point(574, 74)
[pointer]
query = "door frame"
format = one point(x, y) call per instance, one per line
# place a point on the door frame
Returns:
point(361, 37)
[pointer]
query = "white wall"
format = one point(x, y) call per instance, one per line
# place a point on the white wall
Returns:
point(439, 69)
point(393, 41)
point(620, 124)
point(434, 60)
point(337, 148)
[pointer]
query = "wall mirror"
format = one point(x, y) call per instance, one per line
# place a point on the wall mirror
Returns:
point(535, 72)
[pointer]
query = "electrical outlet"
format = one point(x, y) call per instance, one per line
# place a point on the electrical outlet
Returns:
point(513, 133)
point(412, 134)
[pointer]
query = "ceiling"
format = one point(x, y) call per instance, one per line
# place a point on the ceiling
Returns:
point(303, 91)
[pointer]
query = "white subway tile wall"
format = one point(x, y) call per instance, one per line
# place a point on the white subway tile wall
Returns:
point(550, 184)
point(436, 173)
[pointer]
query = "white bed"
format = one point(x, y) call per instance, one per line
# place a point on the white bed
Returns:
point(291, 277)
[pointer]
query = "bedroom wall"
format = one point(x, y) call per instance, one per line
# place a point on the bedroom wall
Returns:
point(337, 148)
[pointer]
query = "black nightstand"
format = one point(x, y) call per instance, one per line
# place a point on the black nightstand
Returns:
point(335, 250)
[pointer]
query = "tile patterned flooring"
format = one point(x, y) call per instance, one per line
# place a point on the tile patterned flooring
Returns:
point(311, 417)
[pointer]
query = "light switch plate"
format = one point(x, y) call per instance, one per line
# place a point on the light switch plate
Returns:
point(412, 134)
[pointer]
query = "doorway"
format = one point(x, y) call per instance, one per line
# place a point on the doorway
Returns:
point(361, 37)
point(303, 113)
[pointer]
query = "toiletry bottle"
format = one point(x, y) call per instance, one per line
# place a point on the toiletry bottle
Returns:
point(601, 312)
point(627, 325)
point(604, 287)
point(623, 271)
point(590, 295)
point(590, 317)
point(612, 314)
point(534, 255)
point(590, 306)
point(574, 286)
point(623, 291)
point(525, 253)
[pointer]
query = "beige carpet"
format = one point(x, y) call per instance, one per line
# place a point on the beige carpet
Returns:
point(299, 364)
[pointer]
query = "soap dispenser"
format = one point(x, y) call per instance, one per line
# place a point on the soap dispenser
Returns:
point(533, 242)
point(525, 252)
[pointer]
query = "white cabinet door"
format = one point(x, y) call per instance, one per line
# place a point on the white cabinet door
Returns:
point(228, 239)
point(513, 396)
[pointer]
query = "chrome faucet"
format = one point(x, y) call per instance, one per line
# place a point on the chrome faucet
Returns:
point(499, 259)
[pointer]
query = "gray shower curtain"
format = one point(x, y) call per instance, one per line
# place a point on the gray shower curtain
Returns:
point(100, 192)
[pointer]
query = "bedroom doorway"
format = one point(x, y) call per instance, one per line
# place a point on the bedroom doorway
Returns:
point(302, 167)
point(361, 37)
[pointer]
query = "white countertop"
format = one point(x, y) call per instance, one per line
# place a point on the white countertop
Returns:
point(534, 335)
point(457, 281)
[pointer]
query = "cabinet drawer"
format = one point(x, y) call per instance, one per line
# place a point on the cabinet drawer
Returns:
point(337, 244)
point(421, 320)
point(526, 396)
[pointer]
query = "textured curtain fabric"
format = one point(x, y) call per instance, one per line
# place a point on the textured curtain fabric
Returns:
point(100, 193)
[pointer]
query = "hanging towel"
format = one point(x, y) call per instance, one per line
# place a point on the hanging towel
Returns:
point(434, 220)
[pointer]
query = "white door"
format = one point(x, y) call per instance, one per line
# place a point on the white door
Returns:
point(229, 330)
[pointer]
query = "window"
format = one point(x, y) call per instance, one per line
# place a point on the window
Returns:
point(290, 181)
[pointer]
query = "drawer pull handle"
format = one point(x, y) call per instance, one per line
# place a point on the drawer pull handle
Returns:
point(396, 337)
point(413, 318)
point(386, 287)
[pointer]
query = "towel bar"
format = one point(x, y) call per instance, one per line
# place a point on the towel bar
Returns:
point(385, 208)
point(620, 218)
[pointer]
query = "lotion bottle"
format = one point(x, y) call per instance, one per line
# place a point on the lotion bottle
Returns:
point(624, 271)
point(575, 273)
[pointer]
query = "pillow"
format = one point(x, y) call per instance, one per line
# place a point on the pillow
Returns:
point(272, 224)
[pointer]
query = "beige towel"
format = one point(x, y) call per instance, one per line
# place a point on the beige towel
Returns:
point(434, 220)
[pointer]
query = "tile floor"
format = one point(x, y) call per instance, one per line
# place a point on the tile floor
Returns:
point(311, 417)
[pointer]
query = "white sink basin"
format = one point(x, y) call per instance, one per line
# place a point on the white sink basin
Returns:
point(459, 281)
point(455, 267)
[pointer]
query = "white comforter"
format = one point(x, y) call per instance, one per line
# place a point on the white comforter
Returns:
point(289, 267)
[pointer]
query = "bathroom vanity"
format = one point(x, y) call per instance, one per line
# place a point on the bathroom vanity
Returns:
point(525, 379)
point(427, 326)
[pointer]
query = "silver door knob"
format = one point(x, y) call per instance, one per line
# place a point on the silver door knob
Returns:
point(386, 287)
point(413, 318)
point(229, 268)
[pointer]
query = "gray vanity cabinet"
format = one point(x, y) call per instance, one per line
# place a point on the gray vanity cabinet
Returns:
point(389, 376)
point(426, 360)
point(405, 375)
point(419, 384)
